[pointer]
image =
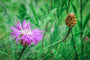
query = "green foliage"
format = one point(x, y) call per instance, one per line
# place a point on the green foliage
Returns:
point(74, 8)
point(34, 13)
point(87, 18)
point(48, 15)
point(22, 12)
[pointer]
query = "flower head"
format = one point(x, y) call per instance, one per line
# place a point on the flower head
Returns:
point(25, 34)
point(71, 20)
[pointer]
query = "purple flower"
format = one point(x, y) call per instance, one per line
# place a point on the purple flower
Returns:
point(86, 38)
point(25, 34)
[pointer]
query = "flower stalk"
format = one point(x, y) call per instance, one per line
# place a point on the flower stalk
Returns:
point(24, 47)
point(61, 40)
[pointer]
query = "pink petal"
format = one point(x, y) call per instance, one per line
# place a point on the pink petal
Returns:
point(13, 28)
point(24, 24)
point(20, 26)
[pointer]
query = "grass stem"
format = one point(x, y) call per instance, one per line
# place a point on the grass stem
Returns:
point(81, 29)
point(74, 46)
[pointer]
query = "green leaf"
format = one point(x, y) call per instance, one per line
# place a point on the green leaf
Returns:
point(22, 11)
point(71, 1)
point(79, 23)
point(86, 20)
point(3, 53)
point(74, 8)
point(84, 4)
point(34, 13)
point(51, 14)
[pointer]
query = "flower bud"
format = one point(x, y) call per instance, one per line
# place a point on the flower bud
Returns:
point(71, 20)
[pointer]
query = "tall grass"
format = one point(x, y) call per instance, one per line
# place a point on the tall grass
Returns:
point(49, 16)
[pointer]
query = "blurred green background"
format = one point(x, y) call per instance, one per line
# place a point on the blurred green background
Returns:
point(48, 15)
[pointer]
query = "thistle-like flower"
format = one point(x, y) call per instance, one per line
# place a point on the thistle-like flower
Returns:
point(25, 34)
point(71, 20)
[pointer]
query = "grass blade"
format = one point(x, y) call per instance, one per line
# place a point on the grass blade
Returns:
point(34, 13)
point(87, 18)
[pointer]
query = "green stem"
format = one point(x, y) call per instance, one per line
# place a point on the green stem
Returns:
point(81, 29)
point(24, 47)
point(60, 40)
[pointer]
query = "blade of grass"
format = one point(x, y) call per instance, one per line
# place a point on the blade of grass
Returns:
point(68, 6)
point(84, 4)
point(34, 13)
point(81, 30)
point(87, 18)
point(22, 11)
point(72, 40)
point(74, 8)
